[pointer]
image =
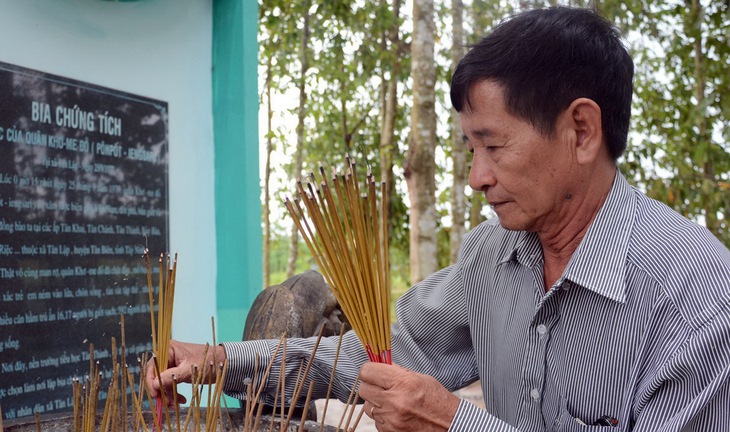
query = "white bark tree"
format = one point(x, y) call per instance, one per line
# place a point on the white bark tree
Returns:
point(419, 167)
point(458, 149)
point(291, 265)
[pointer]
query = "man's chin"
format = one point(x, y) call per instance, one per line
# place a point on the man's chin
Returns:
point(507, 226)
point(511, 224)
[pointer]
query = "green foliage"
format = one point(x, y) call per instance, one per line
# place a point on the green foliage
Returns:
point(279, 251)
point(679, 152)
point(351, 54)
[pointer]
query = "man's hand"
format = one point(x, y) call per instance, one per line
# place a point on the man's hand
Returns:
point(183, 359)
point(402, 400)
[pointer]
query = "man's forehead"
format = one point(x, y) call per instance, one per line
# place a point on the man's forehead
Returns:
point(484, 94)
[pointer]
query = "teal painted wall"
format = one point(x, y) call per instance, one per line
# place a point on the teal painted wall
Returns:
point(237, 190)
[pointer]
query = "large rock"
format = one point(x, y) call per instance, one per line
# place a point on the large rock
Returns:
point(299, 307)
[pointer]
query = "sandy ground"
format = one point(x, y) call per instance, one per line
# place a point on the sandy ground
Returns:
point(335, 409)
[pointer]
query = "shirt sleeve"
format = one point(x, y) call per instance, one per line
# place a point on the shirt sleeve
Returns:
point(470, 418)
point(277, 364)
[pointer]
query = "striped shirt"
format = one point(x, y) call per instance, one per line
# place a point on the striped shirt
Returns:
point(637, 328)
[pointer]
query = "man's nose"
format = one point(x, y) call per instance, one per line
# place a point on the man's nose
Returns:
point(481, 176)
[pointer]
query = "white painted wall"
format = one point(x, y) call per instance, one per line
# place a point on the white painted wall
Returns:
point(155, 48)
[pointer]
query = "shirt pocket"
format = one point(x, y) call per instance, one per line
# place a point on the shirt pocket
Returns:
point(566, 422)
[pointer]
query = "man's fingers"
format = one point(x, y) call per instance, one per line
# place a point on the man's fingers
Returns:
point(168, 376)
point(170, 398)
point(379, 374)
point(402, 400)
point(181, 400)
point(182, 358)
point(375, 380)
point(156, 383)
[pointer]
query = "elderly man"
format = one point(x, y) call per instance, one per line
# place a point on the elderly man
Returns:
point(586, 304)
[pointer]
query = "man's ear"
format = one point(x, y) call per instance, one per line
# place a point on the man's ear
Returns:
point(583, 117)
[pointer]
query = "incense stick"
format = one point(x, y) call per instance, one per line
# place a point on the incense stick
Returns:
point(347, 404)
point(137, 403)
point(124, 381)
point(332, 376)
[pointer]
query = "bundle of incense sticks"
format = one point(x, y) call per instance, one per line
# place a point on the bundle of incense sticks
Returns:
point(162, 325)
point(346, 230)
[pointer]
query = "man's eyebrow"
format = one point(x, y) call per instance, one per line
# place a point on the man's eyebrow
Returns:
point(479, 133)
point(483, 133)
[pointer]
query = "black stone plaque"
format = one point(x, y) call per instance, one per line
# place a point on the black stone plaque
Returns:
point(83, 190)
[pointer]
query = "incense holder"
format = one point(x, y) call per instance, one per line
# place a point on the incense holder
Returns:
point(64, 422)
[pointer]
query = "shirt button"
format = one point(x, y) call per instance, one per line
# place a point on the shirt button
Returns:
point(535, 394)
point(541, 329)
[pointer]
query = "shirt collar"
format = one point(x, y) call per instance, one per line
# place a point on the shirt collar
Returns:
point(599, 262)
point(526, 251)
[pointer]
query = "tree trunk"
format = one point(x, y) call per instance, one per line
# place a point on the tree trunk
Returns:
point(267, 178)
point(458, 150)
point(703, 137)
point(389, 109)
point(475, 209)
point(483, 15)
point(419, 167)
point(343, 107)
point(291, 265)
